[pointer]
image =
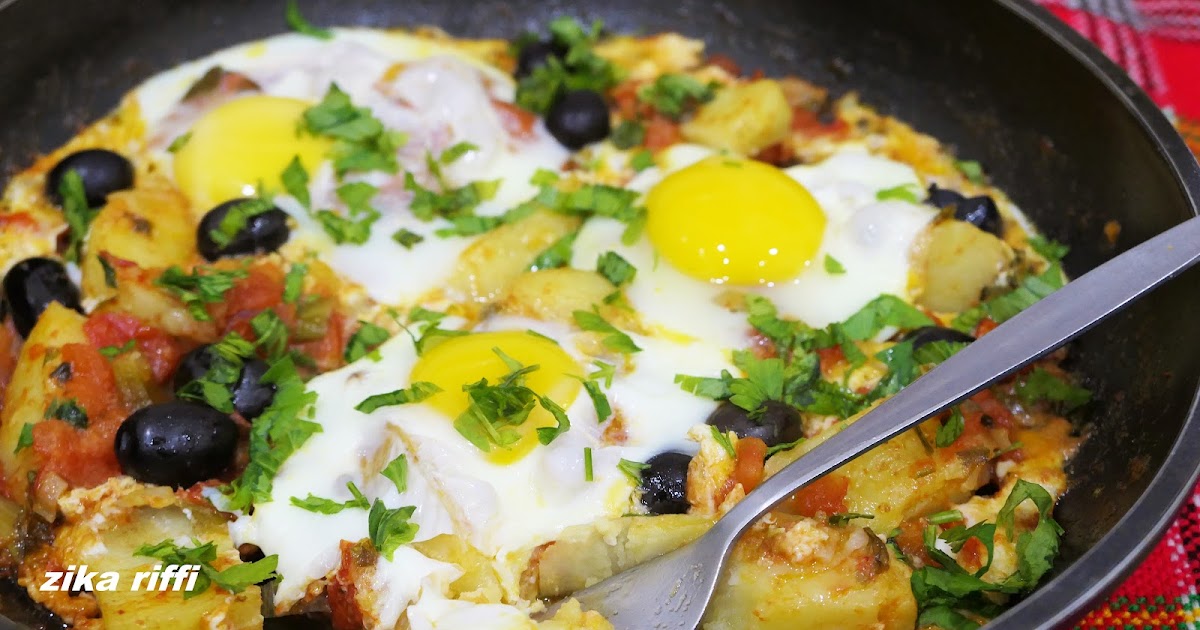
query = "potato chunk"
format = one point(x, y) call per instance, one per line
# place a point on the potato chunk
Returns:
point(960, 260)
point(487, 267)
point(744, 118)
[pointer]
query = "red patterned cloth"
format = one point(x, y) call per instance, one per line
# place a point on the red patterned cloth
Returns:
point(1158, 43)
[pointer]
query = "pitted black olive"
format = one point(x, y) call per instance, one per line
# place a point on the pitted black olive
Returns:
point(102, 172)
point(929, 334)
point(981, 212)
point(260, 233)
point(943, 197)
point(176, 443)
point(577, 118)
point(31, 285)
point(535, 55)
point(664, 483)
point(250, 396)
point(777, 422)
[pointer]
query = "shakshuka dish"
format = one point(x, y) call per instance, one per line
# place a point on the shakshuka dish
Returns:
point(413, 331)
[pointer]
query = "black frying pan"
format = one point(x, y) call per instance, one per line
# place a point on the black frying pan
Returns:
point(1058, 126)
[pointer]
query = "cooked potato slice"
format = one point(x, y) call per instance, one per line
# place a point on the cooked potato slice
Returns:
point(27, 395)
point(105, 525)
point(744, 118)
point(487, 267)
point(554, 294)
point(960, 260)
point(151, 226)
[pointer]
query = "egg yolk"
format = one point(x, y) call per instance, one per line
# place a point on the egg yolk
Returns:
point(464, 360)
point(242, 145)
point(734, 220)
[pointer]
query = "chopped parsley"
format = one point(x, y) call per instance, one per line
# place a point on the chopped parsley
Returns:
point(945, 517)
point(274, 435)
point(215, 387)
point(970, 169)
point(833, 267)
point(236, 219)
point(364, 342)
point(295, 182)
point(69, 411)
point(270, 334)
point(293, 282)
point(115, 351)
point(844, 518)
point(579, 69)
point(628, 134)
point(588, 474)
point(1040, 385)
point(298, 23)
point(110, 274)
point(1049, 249)
point(25, 440)
point(904, 192)
point(558, 254)
point(407, 238)
point(948, 433)
point(397, 472)
point(641, 161)
point(935, 352)
point(415, 393)
point(722, 439)
point(615, 269)
point(76, 213)
point(234, 578)
point(199, 288)
point(591, 385)
point(673, 95)
point(785, 446)
point(360, 141)
point(1004, 307)
point(179, 142)
point(328, 506)
point(613, 338)
point(388, 529)
point(632, 469)
point(495, 411)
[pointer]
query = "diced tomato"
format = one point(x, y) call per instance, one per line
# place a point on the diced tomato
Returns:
point(779, 154)
point(826, 495)
point(985, 326)
point(993, 408)
point(625, 98)
point(341, 592)
point(17, 221)
point(661, 132)
point(83, 456)
point(830, 358)
point(726, 63)
point(804, 119)
point(327, 351)
point(160, 350)
point(911, 540)
point(973, 554)
point(517, 121)
point(748, 465)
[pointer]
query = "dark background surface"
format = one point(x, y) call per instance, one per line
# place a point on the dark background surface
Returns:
point(1072, 147)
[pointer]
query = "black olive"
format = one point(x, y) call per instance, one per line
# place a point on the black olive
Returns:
point(929, 334)
point(981, 212)
point(176, 443)
point(664, 483)
point(31, 285)
point(777, 422)
point(102, 172)
point(578, 118)
point(250, 396)
point(943, 197)
point(263, 232)
point(535, 55)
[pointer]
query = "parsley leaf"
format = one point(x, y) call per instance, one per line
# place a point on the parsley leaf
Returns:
point(407, 238)
point(882, 312)
point(236, 219)
point(196, 290)
point(723, 441)
point(397, 472)
point(970, 169)
point(615, 269)
point(641, 161)
point(179, 142)
point(844, 518)
point(110, 274)
point(833, 267)
point(562, 424)
point(587, 464)
point(935, 352)
point(293, 282)
point(1049, 249)
point(295, 182)
point(215, 387)
point(632, 469)
point(557, 254)
point(591, 385)
point(388, 529)
point(784, 446)
point(76, 212)
point(579, 69)
point(614, 339)
point(904, 192)
point(25, 439)
point(234, 578)
point(361, 143)
point(1040, 385)
point(948, 433)
point(364, 341)
point(67, 410)
point(297, 22)
point(628, 134)
point(1004, 307)
point(675, 94)
point(270, 334)
point(415, 393)
point(115, 351)
point(328, 506)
